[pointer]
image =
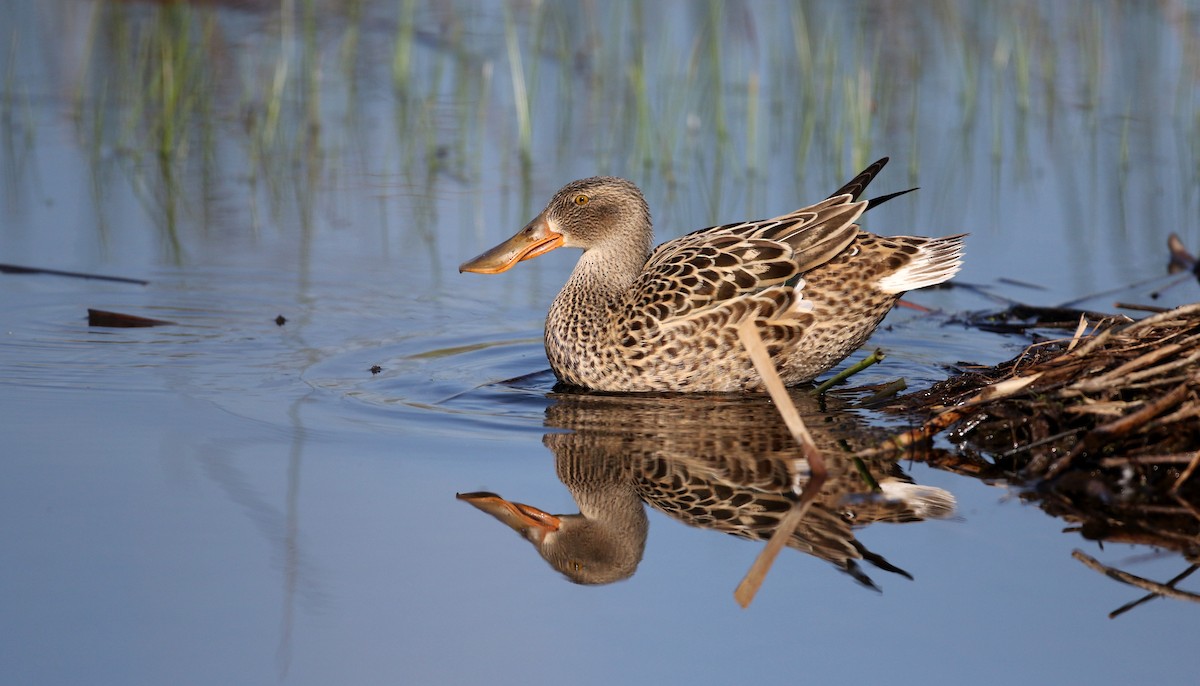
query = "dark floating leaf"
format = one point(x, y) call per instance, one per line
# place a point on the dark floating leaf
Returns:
point(117, 320)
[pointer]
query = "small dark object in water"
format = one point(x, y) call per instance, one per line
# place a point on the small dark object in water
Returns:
point(375, 369)
point(117, 320)
point(1181, 259)
point(280, 320)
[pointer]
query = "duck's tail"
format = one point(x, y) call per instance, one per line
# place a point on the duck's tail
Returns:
point(935, 260)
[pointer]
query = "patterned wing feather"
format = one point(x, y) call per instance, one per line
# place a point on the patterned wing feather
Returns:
point(711, 267)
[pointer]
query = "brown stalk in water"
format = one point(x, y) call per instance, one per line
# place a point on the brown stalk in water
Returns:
point(750, 584)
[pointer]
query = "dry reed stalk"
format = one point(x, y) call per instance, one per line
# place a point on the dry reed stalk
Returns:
point(752, 341)
point(1127, 578)
point(1078, 333)
point(944, 419)
point(1119, 427)
point(1187, 473)
point(1151, 596)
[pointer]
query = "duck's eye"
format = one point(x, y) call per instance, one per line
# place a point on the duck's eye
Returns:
point(581, 200)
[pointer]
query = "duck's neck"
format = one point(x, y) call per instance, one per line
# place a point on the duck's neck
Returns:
point(601, 277)
point(581, 314)
point(613, 265)
point(599, 476)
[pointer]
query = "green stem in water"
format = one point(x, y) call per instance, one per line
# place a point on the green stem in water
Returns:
point(866, 475)
point(841, 376)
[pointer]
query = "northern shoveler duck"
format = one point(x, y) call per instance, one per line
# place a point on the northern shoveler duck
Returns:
point(727, 465)
point(631, 320)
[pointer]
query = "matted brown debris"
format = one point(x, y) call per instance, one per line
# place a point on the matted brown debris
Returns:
point(1123, 391)
point(1101, 429)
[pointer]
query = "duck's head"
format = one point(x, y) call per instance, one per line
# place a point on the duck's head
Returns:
point(597, 212)
point(585, 551)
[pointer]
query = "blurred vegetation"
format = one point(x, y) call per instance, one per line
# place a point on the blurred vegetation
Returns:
point(284, 97)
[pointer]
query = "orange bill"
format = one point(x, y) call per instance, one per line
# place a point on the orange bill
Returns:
point(526, 520)
point(537, 238)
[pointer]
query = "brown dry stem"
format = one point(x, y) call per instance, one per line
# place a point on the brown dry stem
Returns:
point(1156, 588)
point(748, 588)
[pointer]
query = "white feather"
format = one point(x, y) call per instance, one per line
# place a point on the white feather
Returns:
point(935, 261)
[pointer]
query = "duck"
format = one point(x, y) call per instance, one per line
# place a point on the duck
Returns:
point(630, 319)
point(715, 462)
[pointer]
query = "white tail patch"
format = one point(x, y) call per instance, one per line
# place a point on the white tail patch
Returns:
point(936, 260)
point(926, 502)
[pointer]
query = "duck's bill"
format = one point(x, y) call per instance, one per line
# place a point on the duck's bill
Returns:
point(535, 239)
point(526, 520)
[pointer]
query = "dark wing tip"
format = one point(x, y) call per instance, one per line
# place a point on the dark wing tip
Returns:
point(858, 184)
point(875, 202)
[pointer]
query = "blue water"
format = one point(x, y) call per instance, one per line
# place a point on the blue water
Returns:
point(229, 500)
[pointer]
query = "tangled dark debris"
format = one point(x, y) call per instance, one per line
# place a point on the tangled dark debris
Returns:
point(1101, 429)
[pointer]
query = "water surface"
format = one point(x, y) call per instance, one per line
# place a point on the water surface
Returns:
point(229, 499)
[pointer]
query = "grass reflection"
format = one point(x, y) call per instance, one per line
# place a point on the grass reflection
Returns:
point(276, 102)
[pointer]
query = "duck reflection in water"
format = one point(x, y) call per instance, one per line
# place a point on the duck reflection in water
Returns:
point(726, 463)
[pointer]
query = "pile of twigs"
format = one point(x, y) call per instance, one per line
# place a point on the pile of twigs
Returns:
point(1124, 395)
point(1102, 430)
